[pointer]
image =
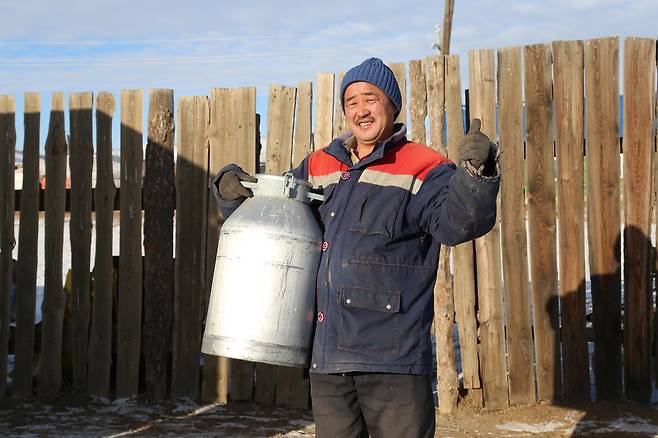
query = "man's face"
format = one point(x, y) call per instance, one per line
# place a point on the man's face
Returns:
point(369, 113)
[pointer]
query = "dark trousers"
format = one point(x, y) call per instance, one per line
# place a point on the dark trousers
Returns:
point(376, 404)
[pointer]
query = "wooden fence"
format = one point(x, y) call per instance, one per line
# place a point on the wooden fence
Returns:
point(517, 295)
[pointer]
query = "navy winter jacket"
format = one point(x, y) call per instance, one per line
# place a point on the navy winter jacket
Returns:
point(384, 219)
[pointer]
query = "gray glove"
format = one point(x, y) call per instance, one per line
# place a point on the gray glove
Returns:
point(476, 148)
point(229, 186)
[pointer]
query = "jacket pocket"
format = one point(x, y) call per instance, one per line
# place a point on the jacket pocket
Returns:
point(368, 320)
point(324, 208)
point(377, 212)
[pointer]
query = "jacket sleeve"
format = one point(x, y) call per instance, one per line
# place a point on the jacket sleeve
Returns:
point(301, 171)
point(226, 207)
point(455, 206)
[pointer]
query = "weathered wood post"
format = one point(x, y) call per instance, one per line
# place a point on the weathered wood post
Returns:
point(26, 293)
point(8, 159)
point(54, 298)
point(129, 314)
point(100, 337)
point(191, 217)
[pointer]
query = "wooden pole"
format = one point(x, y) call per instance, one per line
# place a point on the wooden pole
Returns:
point(399, 70)
point(418, 104)
point(447, 26)
point(302, 143)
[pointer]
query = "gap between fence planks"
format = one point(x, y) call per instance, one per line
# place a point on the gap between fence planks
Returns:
point(129, 313)
point(513, 230)
point(100, 337)
point(54, 298)
point(639, 89)
point(569, 91)
point(190, 261)
point(463, 255)
point(27, 250)
point(487, 248)
point(7, 155)
point(603, 211)
point(159, 205)
point(541, 219)
point(80, 162)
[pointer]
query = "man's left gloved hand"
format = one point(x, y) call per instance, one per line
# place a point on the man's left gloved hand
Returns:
point(478, 150)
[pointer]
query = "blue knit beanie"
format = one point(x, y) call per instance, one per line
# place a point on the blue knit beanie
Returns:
point(375, 72)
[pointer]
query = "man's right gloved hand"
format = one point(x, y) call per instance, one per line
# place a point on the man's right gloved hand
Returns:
point(229, 186)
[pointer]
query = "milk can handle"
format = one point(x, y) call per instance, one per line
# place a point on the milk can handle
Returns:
point(315, 196)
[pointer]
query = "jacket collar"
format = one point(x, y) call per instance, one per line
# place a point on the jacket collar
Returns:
point(339, 149)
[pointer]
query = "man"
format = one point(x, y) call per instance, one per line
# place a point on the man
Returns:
point(389, 204)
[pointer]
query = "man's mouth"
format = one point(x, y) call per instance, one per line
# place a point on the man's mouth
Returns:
point(365, 124)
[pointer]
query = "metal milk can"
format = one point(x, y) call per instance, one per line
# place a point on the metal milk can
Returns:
point(262, 302)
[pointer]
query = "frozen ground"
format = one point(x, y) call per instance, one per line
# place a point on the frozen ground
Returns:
point(78, 416)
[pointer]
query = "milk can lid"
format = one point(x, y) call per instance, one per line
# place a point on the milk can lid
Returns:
point(283, 186)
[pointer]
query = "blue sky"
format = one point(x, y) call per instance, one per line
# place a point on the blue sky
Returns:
point(78, 45)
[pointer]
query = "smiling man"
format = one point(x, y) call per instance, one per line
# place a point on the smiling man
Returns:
point(389, 205)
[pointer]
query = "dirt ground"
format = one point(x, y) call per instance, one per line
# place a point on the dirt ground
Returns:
point(77, 416)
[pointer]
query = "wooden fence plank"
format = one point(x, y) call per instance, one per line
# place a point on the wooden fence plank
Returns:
point(232, 140)
point(285, 385)
point(27, 250)
point(159, 205)
point(444, 304)
point(324, 119)
point(214, 379)
point(302, 144)
point(399, 70)
point(541, 219)
point(8, 158)
point(513, 230)
point(487, 248)
point(568, 74)
point(639, 89)
point(603, 211)
point(80, 162)
point(129, 313)
point(436, 87)
point(191, 216)
point(54, 298)
point(281, 117)
point(280, 123)
point(340, 124)
point(463, 255)
point(418, 101)
point(100, 337)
